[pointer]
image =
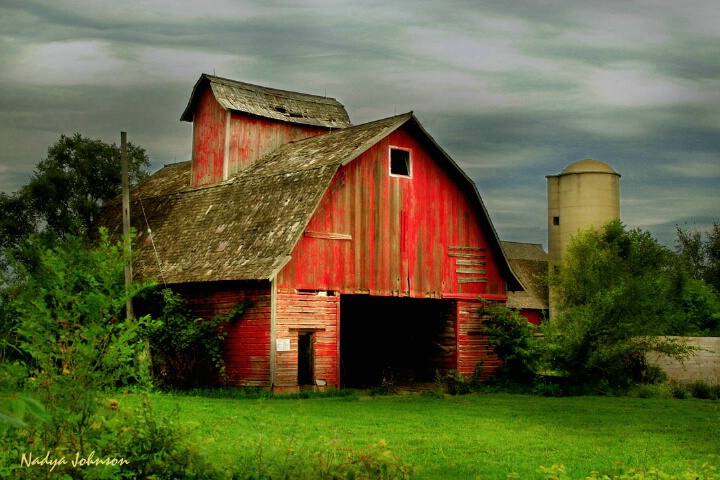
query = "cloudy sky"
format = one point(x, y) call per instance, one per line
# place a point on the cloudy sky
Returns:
point(512, 90)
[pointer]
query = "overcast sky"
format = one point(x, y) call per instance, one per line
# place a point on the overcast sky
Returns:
point(512, 90)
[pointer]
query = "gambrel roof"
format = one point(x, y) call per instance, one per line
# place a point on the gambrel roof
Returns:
point(246, 227)
point(286, 106)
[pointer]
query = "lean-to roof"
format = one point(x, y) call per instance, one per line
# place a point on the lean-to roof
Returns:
point(530, 264)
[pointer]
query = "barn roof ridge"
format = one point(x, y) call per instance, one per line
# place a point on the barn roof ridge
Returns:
point(246, 220)
point(283, 105)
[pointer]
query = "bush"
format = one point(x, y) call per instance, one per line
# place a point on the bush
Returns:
point(679, 391)
point(703, 390)
point(187, 351)
point(616, 291)
point(74, 351)
point(513, 340)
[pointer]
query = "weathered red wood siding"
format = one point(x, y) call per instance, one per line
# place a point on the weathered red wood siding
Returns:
point(317, 312)
point(417, 236)
point(532, 315)
point(473, 346)
point(208, 151)
point(252, 138)
point(247, 346)
point(226, 142)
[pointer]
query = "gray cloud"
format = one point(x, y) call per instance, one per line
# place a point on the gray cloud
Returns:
point(513, 91)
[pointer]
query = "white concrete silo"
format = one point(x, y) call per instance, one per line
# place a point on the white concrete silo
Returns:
point(586, 193)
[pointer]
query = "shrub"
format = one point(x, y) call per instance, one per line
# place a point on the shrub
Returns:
point(703, 390)
point(513, 341)
point(679, 390)
point(187, 351)
point(615, 292)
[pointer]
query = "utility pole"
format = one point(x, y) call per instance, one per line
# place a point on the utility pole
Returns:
point(126, 222)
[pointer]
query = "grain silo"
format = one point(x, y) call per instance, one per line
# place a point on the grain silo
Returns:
point(586, 193)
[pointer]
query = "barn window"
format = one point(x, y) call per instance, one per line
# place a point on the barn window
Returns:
point(399, 162)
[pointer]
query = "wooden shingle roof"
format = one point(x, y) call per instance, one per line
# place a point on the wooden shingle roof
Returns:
point(530, 264)
point(286, 106)
point(246, 227)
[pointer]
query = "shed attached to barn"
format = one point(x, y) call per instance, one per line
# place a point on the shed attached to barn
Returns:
point(366, 250)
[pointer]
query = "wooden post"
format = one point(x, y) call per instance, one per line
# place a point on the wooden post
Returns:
point(126, 221)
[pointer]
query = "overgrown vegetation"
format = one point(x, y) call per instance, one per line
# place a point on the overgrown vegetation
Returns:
point(616, 293)
point(67, 189)
point(187, 351)
point(513, 340)
point(67, 353)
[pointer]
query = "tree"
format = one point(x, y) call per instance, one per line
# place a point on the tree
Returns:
point(68, 188)
point(616, 293)
point(701, 258)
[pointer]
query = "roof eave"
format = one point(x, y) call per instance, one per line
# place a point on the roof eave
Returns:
point(514, 283)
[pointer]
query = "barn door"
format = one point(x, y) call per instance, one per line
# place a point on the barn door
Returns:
point(306, 358)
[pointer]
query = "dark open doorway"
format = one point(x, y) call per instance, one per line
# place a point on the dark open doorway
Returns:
point(398, 340)
point(306, 358)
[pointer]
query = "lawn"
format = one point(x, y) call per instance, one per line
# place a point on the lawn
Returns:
point(466, 437)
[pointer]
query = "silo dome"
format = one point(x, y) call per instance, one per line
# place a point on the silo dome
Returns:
point(588, 166)
point(586, 193)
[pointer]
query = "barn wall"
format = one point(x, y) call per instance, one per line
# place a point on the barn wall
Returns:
point(533, 315)
point(473, 346)
point(308, 311)
point(392, 235)
point(252, 138)
point(208, 154)
point(226, 142)
point(247, 346)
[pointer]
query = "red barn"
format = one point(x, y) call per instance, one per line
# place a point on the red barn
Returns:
point(365, 250)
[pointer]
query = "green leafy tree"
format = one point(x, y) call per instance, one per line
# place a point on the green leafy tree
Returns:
point(616, 293)
point(68, 326)
point(701, 258)
point(68, 188)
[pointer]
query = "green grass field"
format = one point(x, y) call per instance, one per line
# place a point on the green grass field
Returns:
point(466, 437)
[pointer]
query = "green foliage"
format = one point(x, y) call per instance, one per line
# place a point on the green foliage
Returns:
point(703, 390)
point(68, 330)
point(701, 258)
point(157, 447)
point(68, 188)
point(187, 351)
point(455, 384)
point(513, 340)
point(698, 309)
point(75, 352)
point(615, 292)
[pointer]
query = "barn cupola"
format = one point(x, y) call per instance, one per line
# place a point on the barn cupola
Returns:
point(235, 124)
